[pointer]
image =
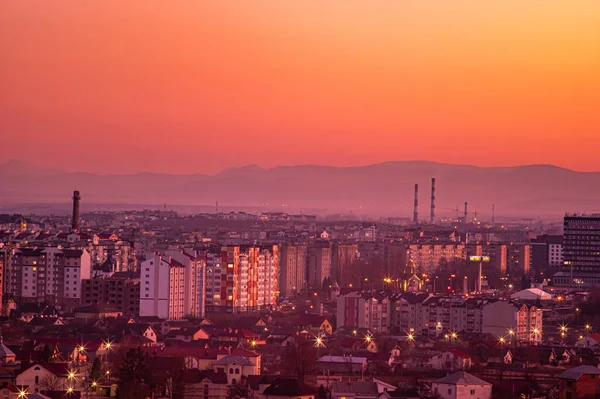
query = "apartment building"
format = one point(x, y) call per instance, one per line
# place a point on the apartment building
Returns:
point(46, 274)
point(360, 310)
point(427, 257)
point(121, 291)
point(241, 280)
point(513, 320)
point(319, 264)
point(172, 285)
point(343, 259)
point(293, 269)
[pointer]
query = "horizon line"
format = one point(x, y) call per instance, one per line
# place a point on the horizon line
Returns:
point(231, 168)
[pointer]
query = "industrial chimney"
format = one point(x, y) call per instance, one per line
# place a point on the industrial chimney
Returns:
point(75, 222)
point(432, 215)
point(466, 211)
point(416, 208)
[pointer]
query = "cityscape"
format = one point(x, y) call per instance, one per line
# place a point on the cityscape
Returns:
point(299, 200)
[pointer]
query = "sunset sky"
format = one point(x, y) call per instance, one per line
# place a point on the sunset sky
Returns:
point(117, 86)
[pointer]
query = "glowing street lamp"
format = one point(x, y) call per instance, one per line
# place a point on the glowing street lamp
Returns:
point(588, 327)
point(107, 345)
point(81, 348)
point(502, 340)
point(354, 332)
point(511, 332)
point(94, 384)
point(410, 337)
point(71, 375)
point(368, 338)
point(253, 344)
point(22, 393)
point(70, 390)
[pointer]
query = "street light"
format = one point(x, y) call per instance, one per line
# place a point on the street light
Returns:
point(502, 340)
point(253, 344)
point(511, 332)
point(354, 332)
point(588, 327)
point(70, 390)
point(368, 338)
point(22, 393)
point(71, 375)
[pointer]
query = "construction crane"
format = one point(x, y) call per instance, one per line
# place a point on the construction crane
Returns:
point(455, 210)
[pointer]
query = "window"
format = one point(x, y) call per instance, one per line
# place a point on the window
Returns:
point(37, 379)
point(449, 391)
point(237, 371)
point(231, 371)
point(472, 392)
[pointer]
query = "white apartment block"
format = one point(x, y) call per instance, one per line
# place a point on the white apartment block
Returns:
point(172, 285)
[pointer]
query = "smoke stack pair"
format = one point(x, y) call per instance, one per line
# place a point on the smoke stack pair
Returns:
point(75, 224)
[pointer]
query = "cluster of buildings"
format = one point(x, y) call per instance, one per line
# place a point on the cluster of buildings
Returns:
point(433, 316)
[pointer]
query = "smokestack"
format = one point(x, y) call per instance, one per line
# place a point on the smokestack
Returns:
point(466, 211)
point(432, 215)
point(416, 208)
point(75, 222)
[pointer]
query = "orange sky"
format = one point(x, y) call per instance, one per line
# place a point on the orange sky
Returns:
point(201, 85)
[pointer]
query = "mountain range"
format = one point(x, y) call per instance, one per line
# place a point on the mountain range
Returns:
point(380, 189)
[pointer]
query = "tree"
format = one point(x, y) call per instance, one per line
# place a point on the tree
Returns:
point(299, 359)
point(46, 355)
point(134, 375)
point(50, 383)
point(96, 370)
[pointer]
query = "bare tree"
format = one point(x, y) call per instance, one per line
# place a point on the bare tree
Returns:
point(50, 383)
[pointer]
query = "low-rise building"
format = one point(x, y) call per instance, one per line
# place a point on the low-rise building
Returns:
point(579, 383)
point(462, 385)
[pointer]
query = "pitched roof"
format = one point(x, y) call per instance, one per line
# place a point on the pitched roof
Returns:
point(461, 378)
point(357, 387)
point(342, 359)
point(577, 372)
point(289, 387)
point(242, 361)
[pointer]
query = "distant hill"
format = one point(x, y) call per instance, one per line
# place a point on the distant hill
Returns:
point(381, 189)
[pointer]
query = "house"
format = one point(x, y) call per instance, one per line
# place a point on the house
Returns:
point(451, 360)
point(49, 377)
point(7, 356)
point(589, 341)
point(136, 330)
point(400, 394)
point(462, 385)
point(314, 323)
point(349, 345)
point(237, 368)
point(96, 312)
point(354, 389)
point(342, 364)
point(580, 382)
point(205, 383)
point(289, 388)
point(188, 334)
point(29, 310)
point(502, 356)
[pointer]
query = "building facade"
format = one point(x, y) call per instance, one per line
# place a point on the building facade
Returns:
point(46, 274)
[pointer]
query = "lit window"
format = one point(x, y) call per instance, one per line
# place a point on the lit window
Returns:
point(230, 265)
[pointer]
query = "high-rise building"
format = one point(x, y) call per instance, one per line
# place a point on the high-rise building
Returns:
point(581, 251)
point(172, 285)
point(319, 264)
point(47, 274)
point(359, 310)
point(120, 291)
point(343, 259)
point(293, 269)
point(242, 280)
point(427, 257)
